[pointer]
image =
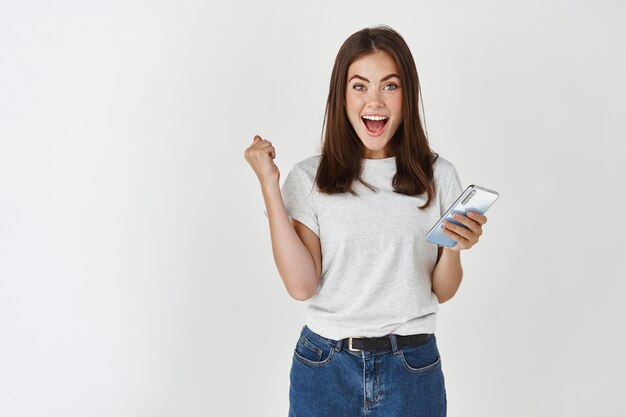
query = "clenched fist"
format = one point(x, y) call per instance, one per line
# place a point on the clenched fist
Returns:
point(260, 156)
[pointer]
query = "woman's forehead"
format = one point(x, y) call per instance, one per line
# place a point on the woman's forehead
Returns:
point(374, 63)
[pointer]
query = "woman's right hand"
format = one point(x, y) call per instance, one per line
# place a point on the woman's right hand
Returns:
point(260, 156)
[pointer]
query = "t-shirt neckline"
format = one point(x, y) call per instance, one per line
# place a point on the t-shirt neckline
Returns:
point(379, 160)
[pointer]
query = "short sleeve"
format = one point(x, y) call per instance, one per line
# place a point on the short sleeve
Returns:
point(451, 191)
point(297, 193)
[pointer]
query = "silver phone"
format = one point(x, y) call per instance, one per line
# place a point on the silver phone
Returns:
point(474, 198)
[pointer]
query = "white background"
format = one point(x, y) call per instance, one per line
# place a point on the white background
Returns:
point(136, 271)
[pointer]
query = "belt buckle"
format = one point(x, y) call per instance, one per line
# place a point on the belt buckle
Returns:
point(350, 343)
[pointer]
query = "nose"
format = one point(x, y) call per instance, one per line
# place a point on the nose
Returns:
point(374, 98)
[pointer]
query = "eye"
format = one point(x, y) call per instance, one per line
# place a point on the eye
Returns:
point(359, 87)
point(393, 87)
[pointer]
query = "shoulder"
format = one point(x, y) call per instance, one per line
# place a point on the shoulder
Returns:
point(302, 174)
point(310, 163)
point(307, 167)
point(443, 168)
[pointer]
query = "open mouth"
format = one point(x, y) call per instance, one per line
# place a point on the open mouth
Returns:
point(375, 125)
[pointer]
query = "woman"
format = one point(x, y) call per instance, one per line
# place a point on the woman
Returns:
point(368, 346)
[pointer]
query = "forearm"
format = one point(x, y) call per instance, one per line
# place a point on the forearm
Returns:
point(447, 275)
point(293, 259)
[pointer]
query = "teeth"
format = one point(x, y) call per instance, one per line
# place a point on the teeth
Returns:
point(375, 117)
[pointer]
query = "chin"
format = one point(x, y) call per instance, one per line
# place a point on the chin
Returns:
point(374, 143)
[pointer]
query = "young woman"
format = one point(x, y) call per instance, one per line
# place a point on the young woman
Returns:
point(348, 235)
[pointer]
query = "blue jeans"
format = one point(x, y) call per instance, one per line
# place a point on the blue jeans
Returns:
point(327, 380)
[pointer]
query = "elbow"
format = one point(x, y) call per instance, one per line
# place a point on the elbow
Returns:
point(303, 289)
point(300, 295)
point(443, 299)
point(303, 293)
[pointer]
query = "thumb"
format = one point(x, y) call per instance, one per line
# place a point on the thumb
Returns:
point(256, 138)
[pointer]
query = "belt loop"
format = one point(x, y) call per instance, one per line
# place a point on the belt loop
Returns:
point(394, 343)
point(338, 345)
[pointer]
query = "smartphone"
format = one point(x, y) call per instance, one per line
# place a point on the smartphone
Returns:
point(474, 198)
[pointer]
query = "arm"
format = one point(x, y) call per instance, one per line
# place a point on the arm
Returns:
point(296, 249)
point(447, 274)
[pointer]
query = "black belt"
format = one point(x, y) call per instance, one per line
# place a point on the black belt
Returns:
point(383, 343)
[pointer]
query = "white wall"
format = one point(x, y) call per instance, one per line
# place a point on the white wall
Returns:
point(136, 271)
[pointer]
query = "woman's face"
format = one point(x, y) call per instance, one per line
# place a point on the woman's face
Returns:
point(374, 102)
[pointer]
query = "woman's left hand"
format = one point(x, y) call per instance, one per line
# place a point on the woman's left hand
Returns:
point(465, 238)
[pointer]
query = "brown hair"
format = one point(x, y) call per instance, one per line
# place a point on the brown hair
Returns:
point(340, 164)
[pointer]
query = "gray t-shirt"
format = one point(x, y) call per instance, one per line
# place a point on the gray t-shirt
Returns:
point(376, 262)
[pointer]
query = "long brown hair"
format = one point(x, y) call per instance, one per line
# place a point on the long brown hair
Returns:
point(340, 164)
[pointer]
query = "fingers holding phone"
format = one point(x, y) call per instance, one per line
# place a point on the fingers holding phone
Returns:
point(469, 233)
point(461, 225)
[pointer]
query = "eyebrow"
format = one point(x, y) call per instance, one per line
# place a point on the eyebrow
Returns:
point(367, 81)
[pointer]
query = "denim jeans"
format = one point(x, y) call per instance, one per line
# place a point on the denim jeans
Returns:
point(328, 380)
